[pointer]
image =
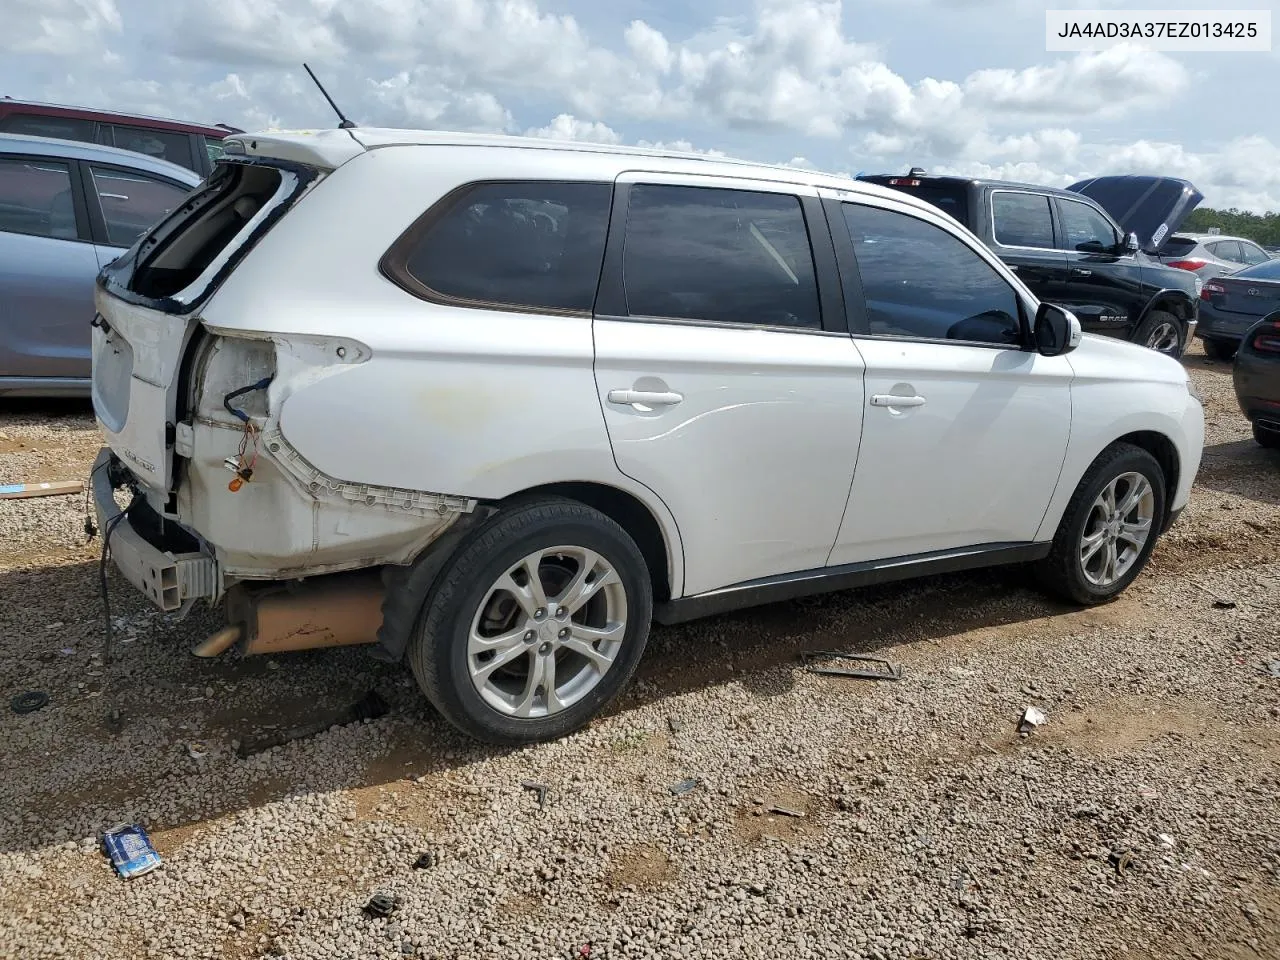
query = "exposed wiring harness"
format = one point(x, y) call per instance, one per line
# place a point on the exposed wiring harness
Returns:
point(245, 460)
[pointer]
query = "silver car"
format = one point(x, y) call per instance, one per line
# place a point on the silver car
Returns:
point(1211, 255)
point(66, 210)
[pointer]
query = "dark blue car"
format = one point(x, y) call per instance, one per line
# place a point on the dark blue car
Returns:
point(1230, 305)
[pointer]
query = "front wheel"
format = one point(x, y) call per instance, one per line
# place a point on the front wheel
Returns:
point(535, 625)
point(1109, 527)
point(1162, 332)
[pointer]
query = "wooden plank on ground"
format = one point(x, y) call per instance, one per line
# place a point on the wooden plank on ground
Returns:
point(53, 488)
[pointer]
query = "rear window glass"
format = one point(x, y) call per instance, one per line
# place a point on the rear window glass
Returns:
point(1270, 270)
point(161, 144)
point(35, 125)
point(950, 198)
point(1178, 246)
point(527, 244)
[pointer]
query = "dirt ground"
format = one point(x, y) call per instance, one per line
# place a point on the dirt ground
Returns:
point(832, 818)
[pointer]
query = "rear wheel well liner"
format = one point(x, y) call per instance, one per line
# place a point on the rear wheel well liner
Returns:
point(1175, 302)
point(626, 510)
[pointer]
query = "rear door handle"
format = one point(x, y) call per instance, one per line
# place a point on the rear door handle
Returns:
point(890, 400)
point(1078, 272)
point(646, 398)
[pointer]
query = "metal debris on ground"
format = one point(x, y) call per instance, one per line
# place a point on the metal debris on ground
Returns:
point(815, 662)
point(197, 749)
point(29, 702)
point(382, 904)
point(541, 789)
point(786, 812)
point(130, 851)
point(426, 860)
point(1220, 602)
point(369, 707)
point(685, 786)
point(1032, 717)
point(1120, 859)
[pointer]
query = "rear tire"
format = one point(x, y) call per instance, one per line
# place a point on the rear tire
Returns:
point(509, 661)
point(1266, 438)
point(1162, 332)
point(1095, 553)
point(1215, 348)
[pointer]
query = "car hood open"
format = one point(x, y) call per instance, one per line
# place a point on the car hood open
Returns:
point(1152, 207)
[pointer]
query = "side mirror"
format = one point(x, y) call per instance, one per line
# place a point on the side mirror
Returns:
point(1131, 243)
point(1057, 331)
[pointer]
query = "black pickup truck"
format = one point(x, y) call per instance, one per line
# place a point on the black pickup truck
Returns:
point(1067, 247)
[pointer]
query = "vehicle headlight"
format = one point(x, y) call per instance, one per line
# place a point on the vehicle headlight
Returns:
point(1194, 391)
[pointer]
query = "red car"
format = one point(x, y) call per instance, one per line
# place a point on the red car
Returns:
point(195, 146)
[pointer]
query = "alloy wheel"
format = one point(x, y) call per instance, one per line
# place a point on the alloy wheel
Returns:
point(547, 632)
point(1117, 529)
point(1164, 338)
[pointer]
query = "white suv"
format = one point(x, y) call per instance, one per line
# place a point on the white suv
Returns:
point(495, 404)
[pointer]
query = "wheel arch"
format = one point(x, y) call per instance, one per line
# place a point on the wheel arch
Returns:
point(660, 551)
point(1177, 302)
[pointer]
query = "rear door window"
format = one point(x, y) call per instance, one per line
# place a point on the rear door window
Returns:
point(720, 256)
point(161, 144)
point(36, 198)
point(35, 125)
point(132, 202)
point(921, 282)
point(1022, 219)
point(532, 245)
point(1086, 228)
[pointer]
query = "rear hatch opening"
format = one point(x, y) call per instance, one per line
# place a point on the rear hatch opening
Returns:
point(148, 303)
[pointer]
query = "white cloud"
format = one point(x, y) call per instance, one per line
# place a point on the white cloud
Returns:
point(568, 127)
point(58, 28)
point(783, 78)
point(1104, 83)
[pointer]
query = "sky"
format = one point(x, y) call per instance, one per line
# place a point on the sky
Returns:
point(954, 86)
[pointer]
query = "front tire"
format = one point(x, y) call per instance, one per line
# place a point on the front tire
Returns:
point(1215, 348)
point(1108, 529)
point(1162, 332)
point(536, 623)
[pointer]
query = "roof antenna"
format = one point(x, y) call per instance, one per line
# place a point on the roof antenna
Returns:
point(345, 123)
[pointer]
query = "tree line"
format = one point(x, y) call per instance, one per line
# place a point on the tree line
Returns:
point(1262, 229)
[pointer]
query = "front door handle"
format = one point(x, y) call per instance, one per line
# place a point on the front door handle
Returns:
point(891, 400)
point(1078, 272)
point(645, 398)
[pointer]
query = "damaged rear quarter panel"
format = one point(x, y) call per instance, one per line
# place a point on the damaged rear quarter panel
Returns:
point(290, 518)
point(468, 403)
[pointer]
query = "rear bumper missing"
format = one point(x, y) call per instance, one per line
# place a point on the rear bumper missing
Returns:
point(169, 579)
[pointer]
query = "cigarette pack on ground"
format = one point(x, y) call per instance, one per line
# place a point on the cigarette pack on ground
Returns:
point(130, 850)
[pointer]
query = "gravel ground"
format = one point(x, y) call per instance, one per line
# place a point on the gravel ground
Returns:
point(1141, 820)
